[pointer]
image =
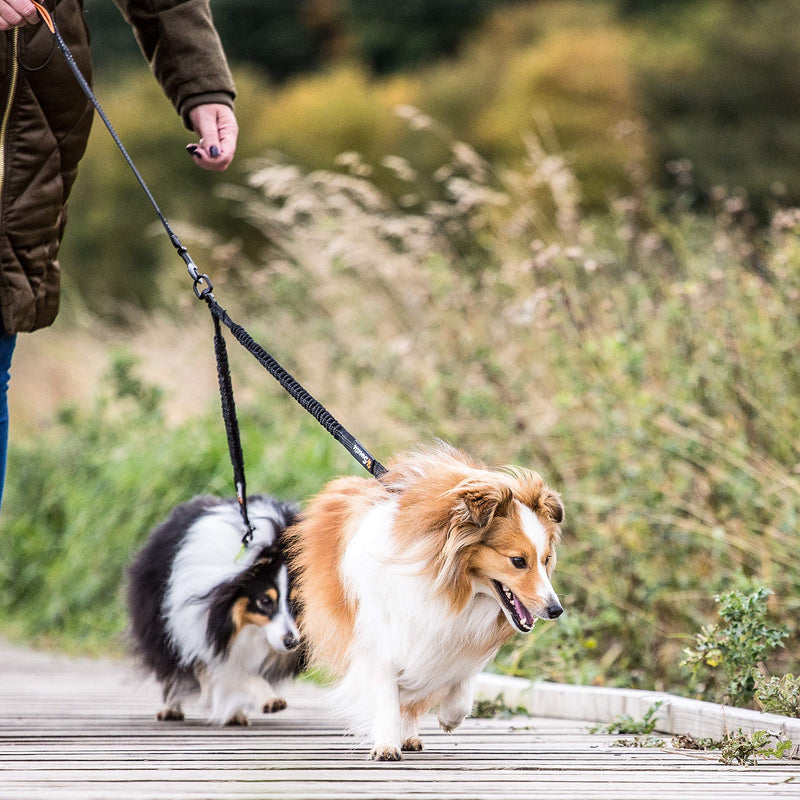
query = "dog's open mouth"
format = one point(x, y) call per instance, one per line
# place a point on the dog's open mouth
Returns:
point(521, 618)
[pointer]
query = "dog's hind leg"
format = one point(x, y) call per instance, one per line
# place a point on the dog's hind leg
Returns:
point(173, 693)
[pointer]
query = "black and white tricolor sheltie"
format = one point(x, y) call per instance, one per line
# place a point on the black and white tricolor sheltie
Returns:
point(208, 618)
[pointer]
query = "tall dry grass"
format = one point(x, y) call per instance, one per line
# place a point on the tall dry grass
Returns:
point(644, 361)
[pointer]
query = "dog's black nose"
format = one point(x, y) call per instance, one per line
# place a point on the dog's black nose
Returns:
point(290, 641)
point(554, 611)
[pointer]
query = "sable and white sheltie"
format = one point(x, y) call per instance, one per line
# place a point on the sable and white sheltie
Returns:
point(206, 621)
point(409, 584)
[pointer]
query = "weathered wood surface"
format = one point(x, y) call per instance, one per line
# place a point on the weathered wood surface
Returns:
point(85, 730)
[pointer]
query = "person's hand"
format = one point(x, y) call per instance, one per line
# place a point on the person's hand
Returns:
point(16, 12)
point(215, 124)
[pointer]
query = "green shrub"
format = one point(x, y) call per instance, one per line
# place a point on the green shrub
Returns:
point(738, 645)
point(779, 695)
point(720, 86)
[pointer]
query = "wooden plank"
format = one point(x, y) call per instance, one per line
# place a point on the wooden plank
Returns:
point(77, 729)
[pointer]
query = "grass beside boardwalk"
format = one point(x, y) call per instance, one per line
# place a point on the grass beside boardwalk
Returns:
point(83, 496)
point(645, 362)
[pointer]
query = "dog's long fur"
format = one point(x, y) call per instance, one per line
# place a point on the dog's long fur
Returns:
point(410, 584)
point(203, 621)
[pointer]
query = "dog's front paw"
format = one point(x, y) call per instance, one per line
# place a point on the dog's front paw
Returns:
point(385, 753)
point(238, 719)
point(449, 725)
point(412, 744)
point(276, 704)
point(170, 715)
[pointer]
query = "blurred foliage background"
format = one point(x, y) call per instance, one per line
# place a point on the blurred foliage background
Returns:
point(561, 233)
point(713, 87)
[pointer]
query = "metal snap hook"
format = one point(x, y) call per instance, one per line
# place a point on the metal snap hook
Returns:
point(202, 293)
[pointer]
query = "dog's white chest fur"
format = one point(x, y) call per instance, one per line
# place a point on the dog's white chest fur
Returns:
point(402, 622)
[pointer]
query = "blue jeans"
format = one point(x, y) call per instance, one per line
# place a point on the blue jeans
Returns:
point(6, 351)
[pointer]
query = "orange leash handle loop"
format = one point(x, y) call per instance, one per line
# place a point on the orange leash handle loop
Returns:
point(45, 15)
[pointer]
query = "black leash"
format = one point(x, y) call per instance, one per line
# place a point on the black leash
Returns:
point(292, 386)
point(204, 291)
point(232, 428)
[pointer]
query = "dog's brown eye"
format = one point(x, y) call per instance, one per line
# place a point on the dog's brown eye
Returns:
point(547, 560)
point(519, 562)
point(266, 605)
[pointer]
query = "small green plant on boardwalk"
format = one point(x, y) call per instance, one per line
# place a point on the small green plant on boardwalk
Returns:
point(746, 748)
point(735, 748)
point(641, 730)
point(740, 748)
point(626, 724)
point(497, 709)
point(737, 645)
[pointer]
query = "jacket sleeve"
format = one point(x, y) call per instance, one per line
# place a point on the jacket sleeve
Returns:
point(182, 46)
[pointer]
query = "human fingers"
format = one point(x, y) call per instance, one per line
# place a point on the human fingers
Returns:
point(216, 125)
point(16, 12)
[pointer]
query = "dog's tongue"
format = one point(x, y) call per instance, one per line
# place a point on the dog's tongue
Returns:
point(524, 614)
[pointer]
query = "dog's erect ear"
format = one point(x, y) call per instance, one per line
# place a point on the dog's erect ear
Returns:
point(482, 500)
point(553, 506)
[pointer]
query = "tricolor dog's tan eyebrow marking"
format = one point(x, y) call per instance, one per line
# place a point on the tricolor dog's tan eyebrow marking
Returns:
point(239, 614)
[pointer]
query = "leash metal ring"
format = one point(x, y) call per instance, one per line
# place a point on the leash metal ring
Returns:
point(198, 282)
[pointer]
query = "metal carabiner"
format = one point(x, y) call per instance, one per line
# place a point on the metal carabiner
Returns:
point(199, 280)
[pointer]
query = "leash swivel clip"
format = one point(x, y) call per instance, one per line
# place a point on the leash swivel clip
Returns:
point(202, 293)
point(202, 283)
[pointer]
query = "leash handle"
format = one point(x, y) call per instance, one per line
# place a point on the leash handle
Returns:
point(45, 15)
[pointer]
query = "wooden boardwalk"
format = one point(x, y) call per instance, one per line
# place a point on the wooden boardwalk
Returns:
point(75, 729)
